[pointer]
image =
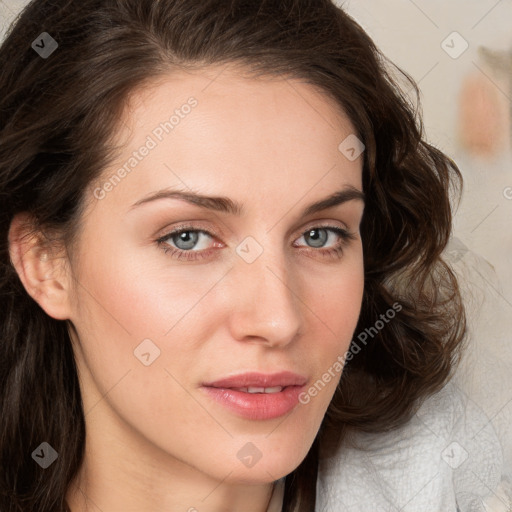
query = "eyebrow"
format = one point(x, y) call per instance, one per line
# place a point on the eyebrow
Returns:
point(227, 205)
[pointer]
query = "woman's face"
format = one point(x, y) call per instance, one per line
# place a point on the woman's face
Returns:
point(267, 289)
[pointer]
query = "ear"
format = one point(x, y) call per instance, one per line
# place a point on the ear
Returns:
point(42, 268)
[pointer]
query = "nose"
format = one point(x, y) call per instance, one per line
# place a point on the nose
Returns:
point(266, 308)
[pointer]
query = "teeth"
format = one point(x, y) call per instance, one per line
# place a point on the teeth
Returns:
point(275, 389)
point(255, 390)
point(252, 389)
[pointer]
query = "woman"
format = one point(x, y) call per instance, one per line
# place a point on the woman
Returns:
point(175, 336)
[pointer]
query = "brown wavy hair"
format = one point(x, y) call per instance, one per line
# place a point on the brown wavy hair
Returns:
point(56, 119)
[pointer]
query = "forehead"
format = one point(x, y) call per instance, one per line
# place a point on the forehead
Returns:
point(214, 128)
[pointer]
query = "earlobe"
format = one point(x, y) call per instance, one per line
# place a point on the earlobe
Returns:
point(41, 270)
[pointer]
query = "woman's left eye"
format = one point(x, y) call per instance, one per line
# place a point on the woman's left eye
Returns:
point(186, 237)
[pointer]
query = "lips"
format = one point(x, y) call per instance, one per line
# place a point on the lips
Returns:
point(257, 396)
point(259, 380)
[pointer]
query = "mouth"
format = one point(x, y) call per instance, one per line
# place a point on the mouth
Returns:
point(257, 396)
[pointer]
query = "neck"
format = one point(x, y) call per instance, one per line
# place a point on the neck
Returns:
point(119, 468)
point(94, 490)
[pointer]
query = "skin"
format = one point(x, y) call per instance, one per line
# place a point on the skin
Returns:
point(155, 441)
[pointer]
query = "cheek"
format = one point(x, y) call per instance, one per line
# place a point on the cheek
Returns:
point(129, 304)
point(122, 302)
point(337, 303)
point(126, 292)
point(336, 307)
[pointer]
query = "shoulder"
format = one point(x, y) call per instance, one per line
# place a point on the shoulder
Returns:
point(446, 458)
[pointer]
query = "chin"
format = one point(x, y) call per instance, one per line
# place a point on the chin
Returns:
point(266, 465)
point(263, 475)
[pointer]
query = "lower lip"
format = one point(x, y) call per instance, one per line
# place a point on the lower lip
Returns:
point(257, 406)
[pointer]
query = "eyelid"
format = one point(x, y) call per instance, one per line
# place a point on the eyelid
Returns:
point(324, 223)
point(194, 256)
point(185, 226)
point(197, 226)
point(345, 236)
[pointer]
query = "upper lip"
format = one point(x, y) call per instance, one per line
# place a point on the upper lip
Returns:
point(255, 379)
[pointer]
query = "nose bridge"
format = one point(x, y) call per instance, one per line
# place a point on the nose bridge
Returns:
point(265, 303)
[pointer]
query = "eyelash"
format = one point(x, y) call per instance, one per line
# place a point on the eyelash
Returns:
point(190, 255)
